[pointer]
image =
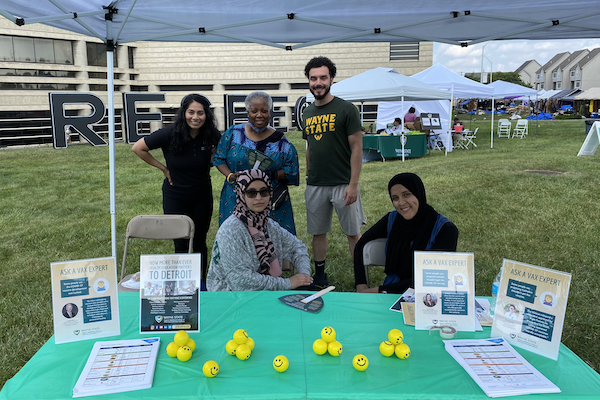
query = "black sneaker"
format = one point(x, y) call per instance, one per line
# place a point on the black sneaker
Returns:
point(321, 281)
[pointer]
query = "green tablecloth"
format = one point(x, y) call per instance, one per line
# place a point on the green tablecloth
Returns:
point(362, 321)
point(377, 147)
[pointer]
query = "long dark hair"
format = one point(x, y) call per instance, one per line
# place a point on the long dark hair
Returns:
point(181, 131)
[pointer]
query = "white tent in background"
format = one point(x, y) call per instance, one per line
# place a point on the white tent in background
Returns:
point(461, 87)
point(458, 86)
point(295, 24)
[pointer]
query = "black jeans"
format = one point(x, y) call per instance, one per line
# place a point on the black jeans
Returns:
point(199, 207)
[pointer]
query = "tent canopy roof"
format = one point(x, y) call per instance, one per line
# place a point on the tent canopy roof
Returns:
point(504, 90)
point(299, 23)
point(384, 84)
point(589, 94)
point(461, 87)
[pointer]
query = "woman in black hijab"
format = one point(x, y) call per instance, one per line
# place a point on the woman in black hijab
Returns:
point(413, 226)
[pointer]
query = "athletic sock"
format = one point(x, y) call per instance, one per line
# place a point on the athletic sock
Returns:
point(320, 268)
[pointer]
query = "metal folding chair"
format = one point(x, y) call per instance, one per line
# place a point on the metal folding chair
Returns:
point(521, 129)
point(161, 227)
point(374, 255)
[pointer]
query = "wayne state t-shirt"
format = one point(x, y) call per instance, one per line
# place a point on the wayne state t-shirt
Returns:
point(326, 128)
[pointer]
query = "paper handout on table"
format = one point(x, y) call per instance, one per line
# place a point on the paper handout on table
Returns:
point(497, 367)
point(531, 305)
point(118, 366)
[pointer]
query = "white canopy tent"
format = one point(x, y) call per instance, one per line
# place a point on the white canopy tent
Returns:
point(295, 24)
point(458, 86)
point(506, 90)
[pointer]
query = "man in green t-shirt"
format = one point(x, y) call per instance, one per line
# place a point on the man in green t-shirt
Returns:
point(333, 132)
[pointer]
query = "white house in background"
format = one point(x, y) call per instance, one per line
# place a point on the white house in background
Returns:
point(586, 73)
point(560, 74)
point(527, 71)
point(543, 76)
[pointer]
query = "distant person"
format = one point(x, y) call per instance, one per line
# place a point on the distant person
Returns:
point(410, 116)
point(250, 246)
point(69, 310)
point(396, 129)
point(413, 226)
point(333, 163)
point(187, 145)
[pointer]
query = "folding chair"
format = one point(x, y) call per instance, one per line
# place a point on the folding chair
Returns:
point(504, 128)
point(162, 227)
point(374, 255)
point(469, 137)
point(521, 129)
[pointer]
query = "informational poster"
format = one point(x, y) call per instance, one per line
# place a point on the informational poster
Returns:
point(170, 293)
point(531, 305)
point(84, 299)
point(444, 290)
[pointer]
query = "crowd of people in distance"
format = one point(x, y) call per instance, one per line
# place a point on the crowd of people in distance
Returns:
point(257, 234)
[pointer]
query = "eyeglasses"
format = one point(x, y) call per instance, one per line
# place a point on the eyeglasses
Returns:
point(251, 193)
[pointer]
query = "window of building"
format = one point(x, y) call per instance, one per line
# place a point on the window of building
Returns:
point(186, 88)
point(130, 54)
point(541, 86)
point(577, 84)
point(37, 86)
point(7, 52)
point(572, 74)
point(96, 55)
point(139, 88)
point(401, 51)
point(302, 86)
point(98, 88)
point(252, 87)
point(559, 85)
point(555, 75)
point(36, 72)
point(538, 76)
point(26, 49)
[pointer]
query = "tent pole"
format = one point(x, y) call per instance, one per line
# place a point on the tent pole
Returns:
point(402, 128)
point(450, 121)
point(110, 49)
point(492, 133)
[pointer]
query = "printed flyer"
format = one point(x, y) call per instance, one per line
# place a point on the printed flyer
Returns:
point(531, 305)
point(170, 293)
point(444, 290)
point(84, 299)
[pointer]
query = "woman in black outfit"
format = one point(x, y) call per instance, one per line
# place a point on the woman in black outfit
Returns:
point(413, 226)
point(188, 146)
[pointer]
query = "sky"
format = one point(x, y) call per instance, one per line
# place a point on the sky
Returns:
point(504, 55)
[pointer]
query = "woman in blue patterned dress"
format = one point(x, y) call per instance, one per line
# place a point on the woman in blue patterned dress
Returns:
point(256, 134)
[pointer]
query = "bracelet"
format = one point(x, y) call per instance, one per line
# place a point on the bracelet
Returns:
point(228, 176)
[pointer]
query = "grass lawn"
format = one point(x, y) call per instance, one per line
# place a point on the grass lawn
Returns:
point(55, 207)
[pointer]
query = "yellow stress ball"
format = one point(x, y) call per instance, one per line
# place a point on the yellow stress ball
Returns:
point(240, 336)
point(191, 344)
point(281, 363)
point(386, 348)
point(395, 336)
point(172, 349)
point(242, 352)
point(360, 362)
point(320, 347)
point(181, 338)
point(402, 350)
point(334, 348)
point(250, 343)
point(328, 334)
point(184, 353)
point(230, 347)
point(210, 369)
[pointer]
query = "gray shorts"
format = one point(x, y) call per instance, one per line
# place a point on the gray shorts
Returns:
point(320, 202)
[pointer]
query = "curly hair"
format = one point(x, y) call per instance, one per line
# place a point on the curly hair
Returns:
point(209, 132)
point(320, 61)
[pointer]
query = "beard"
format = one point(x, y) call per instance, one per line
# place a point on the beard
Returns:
point(321, 96)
